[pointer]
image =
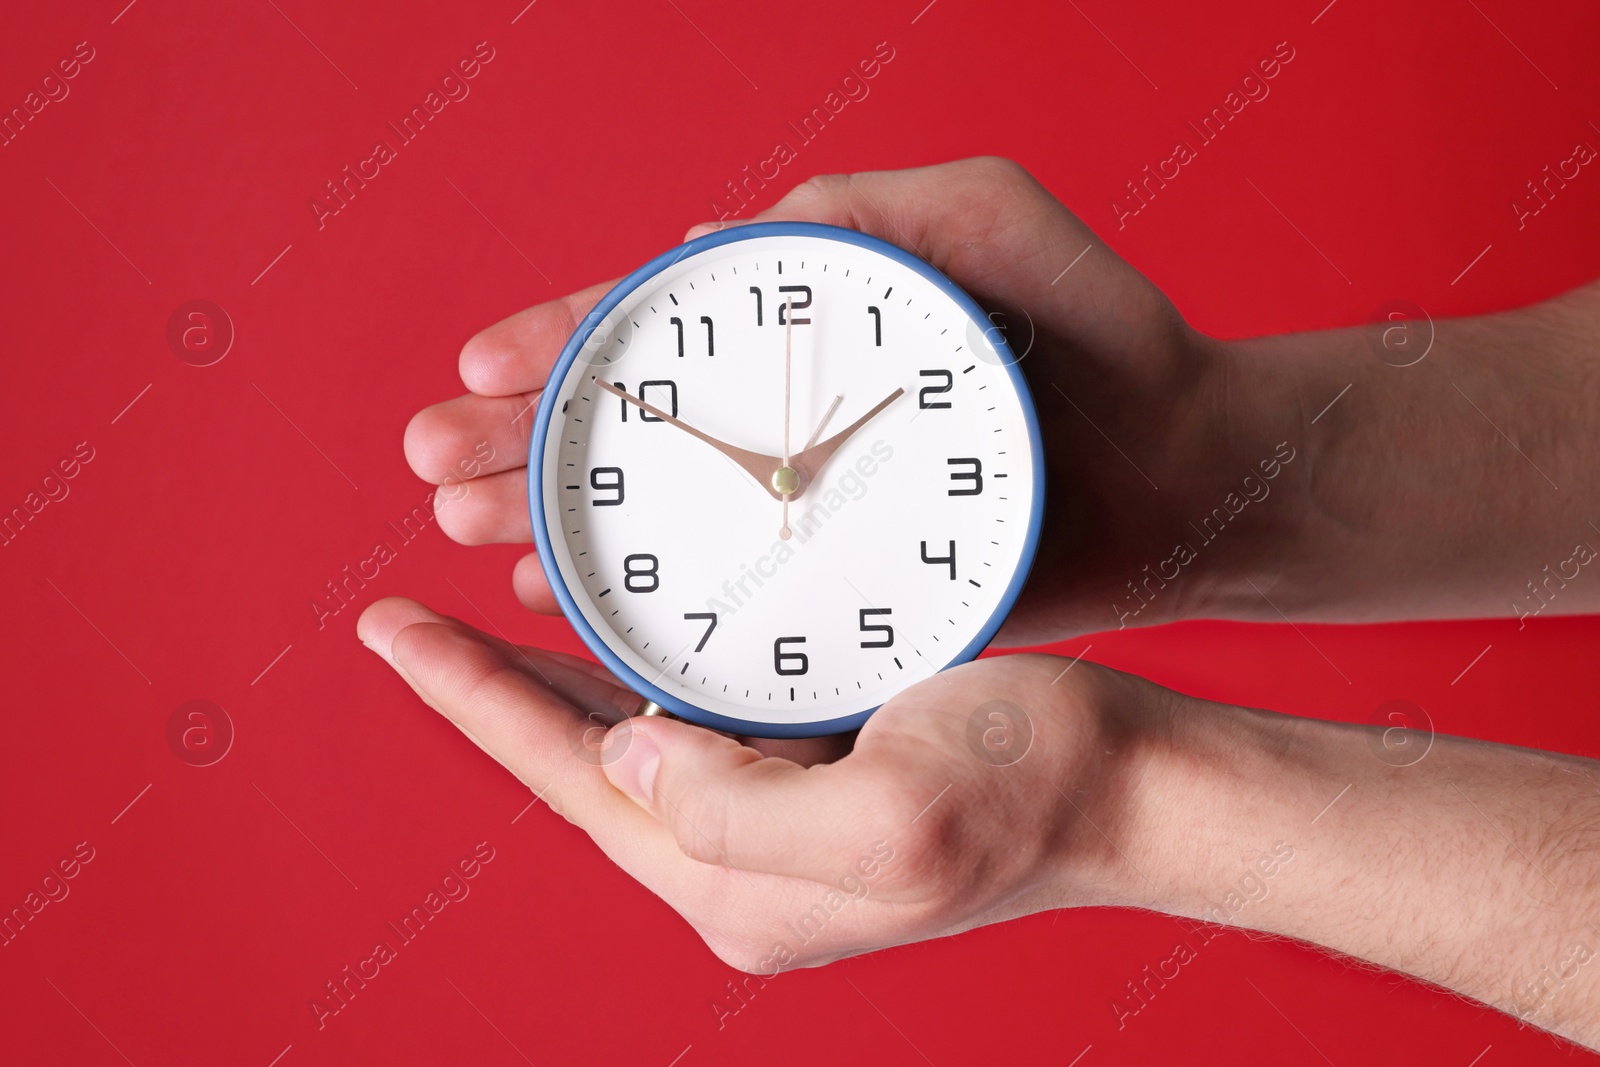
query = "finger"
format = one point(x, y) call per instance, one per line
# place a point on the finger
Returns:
point(515, 355)
point(488, 510)
point(470, 436)
point(728, 805)
point(806, 751)
point(532, 586)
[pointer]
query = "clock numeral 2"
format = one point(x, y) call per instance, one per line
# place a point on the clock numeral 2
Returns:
point(711, 342)
point(975, 476)
point(950, 559)
point(879, 627)
point(798, 305)
point(703, 615)
point(644, 416)
point(635, 578)
point(927, 390)
point(611, 484)
point(780, 657)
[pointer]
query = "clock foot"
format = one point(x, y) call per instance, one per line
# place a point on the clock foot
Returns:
point(651, 708)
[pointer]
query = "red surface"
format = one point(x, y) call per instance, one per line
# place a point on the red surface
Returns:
point(185, 556)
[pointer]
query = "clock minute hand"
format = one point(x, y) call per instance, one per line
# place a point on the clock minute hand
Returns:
point(809, 462)
point(758, 466)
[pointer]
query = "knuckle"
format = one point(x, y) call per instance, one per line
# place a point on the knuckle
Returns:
point(824, 187)
point(699, 819)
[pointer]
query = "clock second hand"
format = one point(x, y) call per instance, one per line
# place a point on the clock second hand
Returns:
point(783, 480)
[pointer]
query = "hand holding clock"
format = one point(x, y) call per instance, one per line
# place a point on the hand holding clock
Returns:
point(1128, 794)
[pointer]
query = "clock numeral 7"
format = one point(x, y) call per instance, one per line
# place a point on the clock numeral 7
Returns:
point(703, 615)
point(950, 559)
point(934, 390)
point(644, 416)
point(797, 662)
point(975, 476)
point(798, 305)
point(877, 627)
point(711, 344)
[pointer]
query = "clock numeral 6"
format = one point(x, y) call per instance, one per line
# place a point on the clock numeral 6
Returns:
point(644, 416)
point(975, 476)
point(877, 627)
point(933, 390)
point(641, 573)
point(611, 483)
point(950, 559)
point(797, 662)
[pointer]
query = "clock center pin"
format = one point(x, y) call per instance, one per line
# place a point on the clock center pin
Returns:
point(785, 480)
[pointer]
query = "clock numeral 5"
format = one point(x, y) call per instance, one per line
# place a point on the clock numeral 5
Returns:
point(950, 559)
point(797, 662)
point(975, 476)
point(711, 344)
point(878, 627)
point(613, 483)
point(641, 573)
point(644, 416)
point(933, 390)
point(801, 304)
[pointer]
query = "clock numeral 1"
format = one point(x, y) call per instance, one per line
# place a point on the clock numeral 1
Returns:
point(703, 615)
point(711, 342)
point(612, 483)
point(756, 291)
point(927, 390)
point(950, 559)
point(797, 662)
point(878, 627)
point(644, 416)
point(877, 326)
point(975, 476)
point(635, 578)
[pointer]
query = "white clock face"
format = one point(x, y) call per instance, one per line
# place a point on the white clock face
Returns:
point(904, 546)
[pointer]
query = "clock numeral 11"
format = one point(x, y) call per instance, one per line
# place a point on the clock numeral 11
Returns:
point(711, 345)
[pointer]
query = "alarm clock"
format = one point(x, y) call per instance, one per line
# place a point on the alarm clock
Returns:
point(781, 473)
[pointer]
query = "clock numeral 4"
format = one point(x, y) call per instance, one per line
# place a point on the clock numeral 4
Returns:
point(887, 641)
point(641, 573)
point(933, 390)
point(789, 662)
point(663, 383)
point(950, 559)
point(975, 476)
point(711, 615)
point(711, 341)
point(612, 483)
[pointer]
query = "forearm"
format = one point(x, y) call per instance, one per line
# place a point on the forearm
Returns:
point(1473, 867)
point(1466, 484)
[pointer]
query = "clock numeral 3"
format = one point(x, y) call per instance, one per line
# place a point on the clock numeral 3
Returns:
point(975, 476)
point(797, 662)
point(613, 483)
point(641, 579)
point(644, 416)
point(878, 627)
point(933, 390)
point(950, 559)
point(711, 341)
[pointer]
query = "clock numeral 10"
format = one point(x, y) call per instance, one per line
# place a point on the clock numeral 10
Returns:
point(975, 476)
point(789, 301)
point(950, 559)
point(644, 416)
point(612, 483)
point(883, 628)
point(641, 573)
point(933, 390)
point(789, 662)
point(711, 346)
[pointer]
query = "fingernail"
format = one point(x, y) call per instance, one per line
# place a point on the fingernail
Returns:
point(635, 772)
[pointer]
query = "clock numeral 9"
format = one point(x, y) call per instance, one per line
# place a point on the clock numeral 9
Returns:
point(711, 344)
point(797, 662)
point(612, 483)
point(644, 416)
point(641, 579)
point(798, 305)
point(878, 627)
point(975, 476)
point(928, 390)
point(950, 559)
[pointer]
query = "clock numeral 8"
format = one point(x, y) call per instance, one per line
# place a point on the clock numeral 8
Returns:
point(798, 662)
point(641, 575)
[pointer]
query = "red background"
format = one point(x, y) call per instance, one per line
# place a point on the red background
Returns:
point(184, 560)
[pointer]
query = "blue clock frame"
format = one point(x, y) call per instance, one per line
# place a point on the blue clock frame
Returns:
point(536, 489)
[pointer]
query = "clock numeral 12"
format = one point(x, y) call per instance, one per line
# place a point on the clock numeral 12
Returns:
point(711, 344)
point(780, 657)
point(797, 305)
point(950, 559)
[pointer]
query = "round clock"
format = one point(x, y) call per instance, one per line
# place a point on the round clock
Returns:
point(781, 473)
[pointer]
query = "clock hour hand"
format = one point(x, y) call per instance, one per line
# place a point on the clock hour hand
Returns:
point(758, 466)
point(810, 461)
